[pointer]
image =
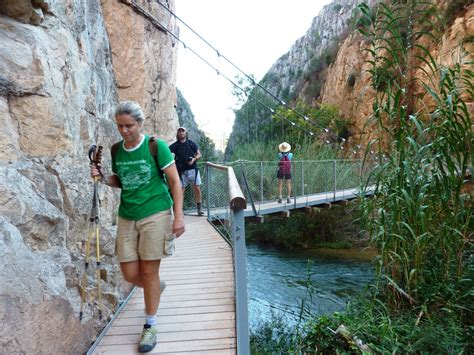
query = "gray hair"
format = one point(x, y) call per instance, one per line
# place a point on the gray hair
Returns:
point(131, 108)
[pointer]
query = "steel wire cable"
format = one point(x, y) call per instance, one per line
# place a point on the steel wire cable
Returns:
point(252, 80)
point(220, 55)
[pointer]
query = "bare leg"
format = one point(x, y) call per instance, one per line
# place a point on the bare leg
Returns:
point(150, 276)
point(197, 193)
point(131, 272)
point(280, 187)
point(288, 186)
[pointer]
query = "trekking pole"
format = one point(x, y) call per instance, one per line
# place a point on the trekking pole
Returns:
point(95, 156)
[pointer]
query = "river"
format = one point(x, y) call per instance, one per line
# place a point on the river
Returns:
point(277, 281)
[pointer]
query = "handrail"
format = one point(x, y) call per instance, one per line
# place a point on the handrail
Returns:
point(249, 193)
point(237, 204)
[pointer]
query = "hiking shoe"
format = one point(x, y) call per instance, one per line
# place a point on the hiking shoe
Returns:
point(279, 200)
point(288, 200)
point(199, 209)
point(148, 340)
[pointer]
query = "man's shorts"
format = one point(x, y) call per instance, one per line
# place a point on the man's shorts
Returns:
point(145, 239)
point(190, 177)
point(282, 175)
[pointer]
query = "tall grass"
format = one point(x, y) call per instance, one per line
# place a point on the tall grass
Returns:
point(420, 221)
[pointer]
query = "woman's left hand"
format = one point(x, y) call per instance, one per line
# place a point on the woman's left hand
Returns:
point(178, 226)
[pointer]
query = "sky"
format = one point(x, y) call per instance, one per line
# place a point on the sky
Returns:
point(252, 34)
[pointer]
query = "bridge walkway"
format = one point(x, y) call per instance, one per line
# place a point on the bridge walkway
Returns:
point(197, 309)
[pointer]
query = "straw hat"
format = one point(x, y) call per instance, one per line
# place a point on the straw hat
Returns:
point(284, 147)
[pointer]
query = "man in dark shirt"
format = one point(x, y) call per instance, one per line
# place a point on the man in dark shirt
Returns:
point(186, 153)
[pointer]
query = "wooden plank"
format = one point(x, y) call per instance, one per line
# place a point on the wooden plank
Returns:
point(193, 291)
point(202, 255)
point(190, 303)
point(192, 244)
point(200, 262)
point(178, 318)
point(188, 346)
point(197, 310)
point(183, 269)
point(178, 274)
point(175, 327)
point(179, 336)
point(200, 278)
point(127, 313)
point(186, 297)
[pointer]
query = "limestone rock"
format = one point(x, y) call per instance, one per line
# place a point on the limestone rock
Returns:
point(35, 314)
point(355, 103)
point(331, 30)
point(186, 118)
point(8, 135)
point(22, 205)
point(58, 91)
point(144, 61)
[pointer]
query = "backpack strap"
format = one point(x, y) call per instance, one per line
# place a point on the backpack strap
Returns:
point(154, 152)
point(114, 149)
point(113, 153)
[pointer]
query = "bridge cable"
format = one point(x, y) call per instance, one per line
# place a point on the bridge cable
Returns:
point(162, 28)
point(252, 80)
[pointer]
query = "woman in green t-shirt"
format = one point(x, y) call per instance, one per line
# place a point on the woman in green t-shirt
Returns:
point(147, 225)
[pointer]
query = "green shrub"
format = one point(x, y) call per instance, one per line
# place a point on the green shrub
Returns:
point(334, 229)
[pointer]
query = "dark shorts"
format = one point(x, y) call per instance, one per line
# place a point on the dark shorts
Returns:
point(282, 175)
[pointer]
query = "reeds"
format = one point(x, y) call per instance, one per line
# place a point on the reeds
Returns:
point(420, 221)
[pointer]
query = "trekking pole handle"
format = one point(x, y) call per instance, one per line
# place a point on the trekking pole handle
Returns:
point(95, 156)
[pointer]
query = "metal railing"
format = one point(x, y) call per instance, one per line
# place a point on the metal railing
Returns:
point(222, 183)
point(259, 184)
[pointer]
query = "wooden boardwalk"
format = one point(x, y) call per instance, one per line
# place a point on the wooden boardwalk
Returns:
point(197, 309)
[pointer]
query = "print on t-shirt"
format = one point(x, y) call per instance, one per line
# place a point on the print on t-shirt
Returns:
point(134, 174)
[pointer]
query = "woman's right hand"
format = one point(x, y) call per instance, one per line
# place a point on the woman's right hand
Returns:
point(95, 170)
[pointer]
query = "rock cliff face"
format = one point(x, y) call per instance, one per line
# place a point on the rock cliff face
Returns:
point(291, 75)
point(64, 65)
point(327, 65)
point(186, 118)
point(355, 101)
point(286, 78)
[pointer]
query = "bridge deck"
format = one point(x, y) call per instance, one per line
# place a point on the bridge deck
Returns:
point(268, 207)
point(197, 309)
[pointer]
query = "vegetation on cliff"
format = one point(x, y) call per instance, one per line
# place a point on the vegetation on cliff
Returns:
point(420, 219)
point(335, 228)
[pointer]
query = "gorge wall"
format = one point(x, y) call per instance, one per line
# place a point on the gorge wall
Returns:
point(64, 65)
point(328, 65)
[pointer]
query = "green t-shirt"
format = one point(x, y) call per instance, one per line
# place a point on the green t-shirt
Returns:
point(144, 192)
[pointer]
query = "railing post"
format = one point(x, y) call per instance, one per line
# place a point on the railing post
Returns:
point(208, 185)
point(335, 178)
point(302, 178)
point(240, 267)
point(261, 181)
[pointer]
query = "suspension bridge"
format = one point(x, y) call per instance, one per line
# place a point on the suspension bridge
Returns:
point(204, 306)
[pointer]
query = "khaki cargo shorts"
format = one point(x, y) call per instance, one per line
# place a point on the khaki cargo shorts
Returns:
point(149, 238)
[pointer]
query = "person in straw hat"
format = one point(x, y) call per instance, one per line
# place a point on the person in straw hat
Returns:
point(284, 170)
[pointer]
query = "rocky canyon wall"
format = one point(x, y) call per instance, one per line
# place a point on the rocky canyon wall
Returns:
point(64, 65)
point(328, 65)
point(355, 99)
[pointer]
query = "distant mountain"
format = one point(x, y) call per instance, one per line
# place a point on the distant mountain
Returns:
point(186, 118)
